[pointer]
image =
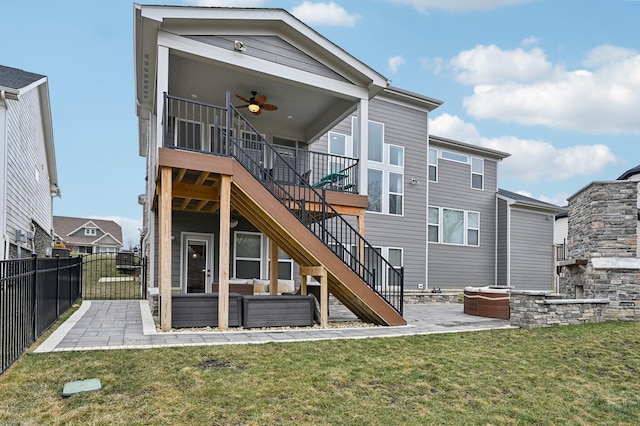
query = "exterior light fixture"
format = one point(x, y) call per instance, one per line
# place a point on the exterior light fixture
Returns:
point(254, 108)
point(238, 46)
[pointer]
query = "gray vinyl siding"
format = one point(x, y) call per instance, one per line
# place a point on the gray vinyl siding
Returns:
point(531, 250)
point(503, 247)
point(273, 49)
point(28, 196)
point(206, 224)
point(404, 127)
point(408, 128)
point(455, 266)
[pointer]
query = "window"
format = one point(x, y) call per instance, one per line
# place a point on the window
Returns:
point(473, 229)
point(394, 257)
point(433, 165)
point(383, 271)
point(452, 226)
point(90, 231)
point(341, 145)
point(386, 182)
point(434, 224)
point(285, 265)
point(395, 193)
point(477, 173)
point(187, 134)
point(337, 144)
point(248, 254)
point(453, 156)
point(375, 190)
point(355, 131)
point(396, 155)
point(376, 142)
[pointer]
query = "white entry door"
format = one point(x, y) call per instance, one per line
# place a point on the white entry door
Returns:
point(197, 262)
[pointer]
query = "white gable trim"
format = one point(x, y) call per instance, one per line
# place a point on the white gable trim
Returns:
point(89, 224)
point(278, 21)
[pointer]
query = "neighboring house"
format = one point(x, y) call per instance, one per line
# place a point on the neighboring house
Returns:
point(28, 175)
point(525, 242)
point(274, 154)
point(88, 236)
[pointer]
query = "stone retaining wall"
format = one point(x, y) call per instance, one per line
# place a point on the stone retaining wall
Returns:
point(414, 298)
point(530, 309)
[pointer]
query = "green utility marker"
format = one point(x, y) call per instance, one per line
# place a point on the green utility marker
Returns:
point(89, 385)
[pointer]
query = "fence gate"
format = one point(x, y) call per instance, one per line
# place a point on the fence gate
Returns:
point(114, 276)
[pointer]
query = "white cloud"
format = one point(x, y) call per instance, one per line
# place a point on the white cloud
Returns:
point(432, 65)
point(324, 14)
point(522, 86)
point(395, 62)
point(458, 5)
point(227, 3)
point(530, 160)
point(529, 41)
point(490, 64)
point(130, 229)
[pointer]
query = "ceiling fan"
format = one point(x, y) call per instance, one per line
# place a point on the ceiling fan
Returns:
point(256, 103)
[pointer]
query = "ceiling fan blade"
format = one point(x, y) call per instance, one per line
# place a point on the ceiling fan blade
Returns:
point(242, 106)
point(260, 99)
point(243, 99)
point(269, 107)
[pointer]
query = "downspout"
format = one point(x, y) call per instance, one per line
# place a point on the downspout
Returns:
point(3, 214)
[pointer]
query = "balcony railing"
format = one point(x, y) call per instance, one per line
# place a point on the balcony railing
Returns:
point(200, 127)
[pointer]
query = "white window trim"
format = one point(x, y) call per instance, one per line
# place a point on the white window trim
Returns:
point(280, 260)
point(251, 259)
point(443, 151)
point(386, 168)
point(469, 228)
point(465, 225)
point(434, 164)
point(383, 143)
point(90, 232)
point(175, 132)
point(209, 241)
point(474, 173)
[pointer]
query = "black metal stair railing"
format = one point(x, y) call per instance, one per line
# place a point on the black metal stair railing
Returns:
point(232, 135)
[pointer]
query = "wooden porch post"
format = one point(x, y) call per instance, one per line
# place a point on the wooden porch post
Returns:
point(319, 272)
point(164, 249)
point(273, 269)
point(225, 234)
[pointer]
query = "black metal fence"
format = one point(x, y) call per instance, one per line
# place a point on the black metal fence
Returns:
point(114, 276)
point(33, 294)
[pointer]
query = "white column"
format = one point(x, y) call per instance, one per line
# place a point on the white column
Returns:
point(363, 145)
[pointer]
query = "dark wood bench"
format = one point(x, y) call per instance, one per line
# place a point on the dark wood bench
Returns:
point(201, 310)
point(278, 311)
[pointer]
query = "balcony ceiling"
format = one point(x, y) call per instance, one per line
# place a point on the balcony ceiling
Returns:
point(300, 108)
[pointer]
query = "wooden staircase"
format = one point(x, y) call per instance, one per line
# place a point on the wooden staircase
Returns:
point(255, 202)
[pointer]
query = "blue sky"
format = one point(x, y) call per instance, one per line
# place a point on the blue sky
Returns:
point(554, 83)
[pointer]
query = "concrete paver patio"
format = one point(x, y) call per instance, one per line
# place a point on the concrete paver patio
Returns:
point(108, 325)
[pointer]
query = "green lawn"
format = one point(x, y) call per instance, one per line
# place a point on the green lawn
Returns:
point(101, 279)
point(582, 375)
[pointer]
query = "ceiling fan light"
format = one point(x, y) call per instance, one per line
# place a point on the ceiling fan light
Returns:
point(254, 108)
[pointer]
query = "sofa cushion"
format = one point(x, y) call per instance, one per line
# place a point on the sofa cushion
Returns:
point(260, 286)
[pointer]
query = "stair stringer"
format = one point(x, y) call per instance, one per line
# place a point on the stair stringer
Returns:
point(265, 211)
